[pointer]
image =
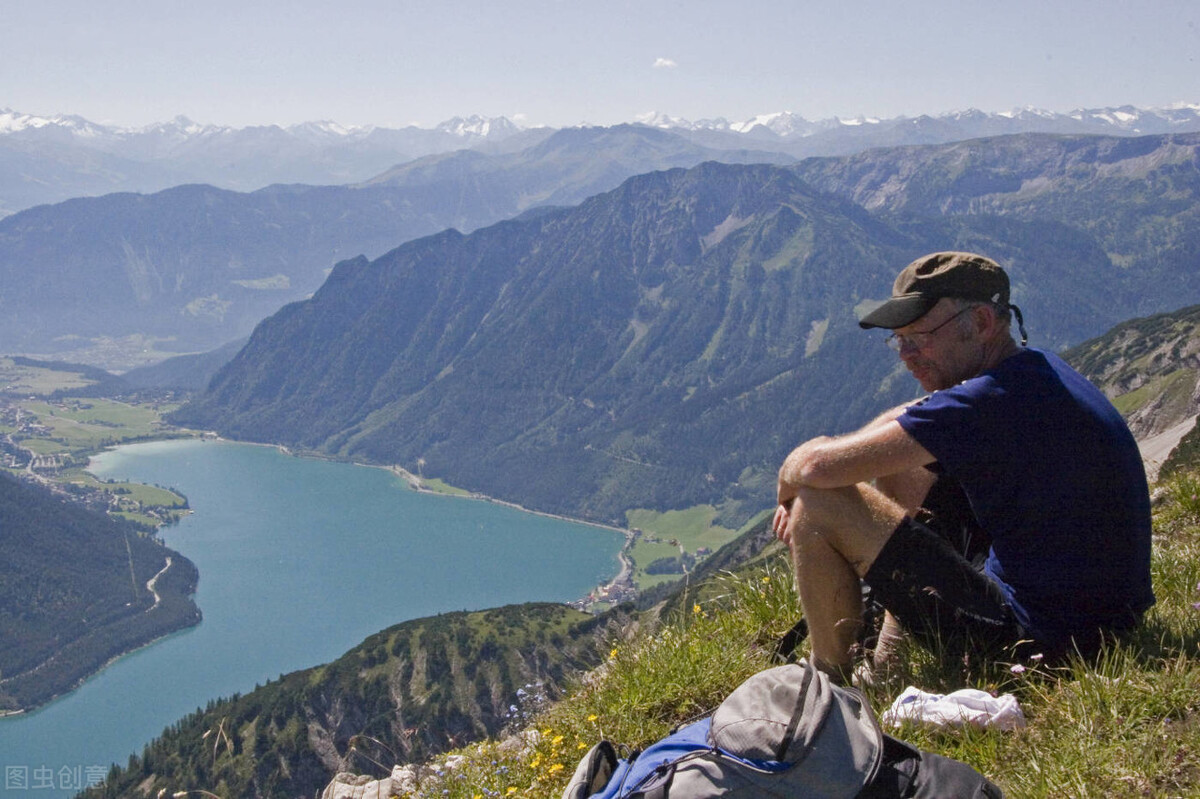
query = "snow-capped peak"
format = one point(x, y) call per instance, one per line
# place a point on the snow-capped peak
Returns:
point(16, 122)
point(655, 119)
point(163, 137)
point(476, 125)
point(781, 123)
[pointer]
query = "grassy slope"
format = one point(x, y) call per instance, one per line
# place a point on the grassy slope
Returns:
point(1128, 726)
point(411, 691)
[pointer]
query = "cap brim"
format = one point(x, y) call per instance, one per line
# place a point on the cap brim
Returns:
point(899, 311)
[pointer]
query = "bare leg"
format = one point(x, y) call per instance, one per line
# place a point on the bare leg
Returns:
point(891, 634)
point(830, 596)
point(909, 489)
point(834, 535)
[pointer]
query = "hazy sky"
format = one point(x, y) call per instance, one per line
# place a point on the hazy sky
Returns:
point(567, 62)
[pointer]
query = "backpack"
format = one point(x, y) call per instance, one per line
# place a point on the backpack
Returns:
point(785, 732)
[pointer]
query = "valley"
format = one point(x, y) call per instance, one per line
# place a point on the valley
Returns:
point(623, 326)
point(51, 429)
point(49, 439)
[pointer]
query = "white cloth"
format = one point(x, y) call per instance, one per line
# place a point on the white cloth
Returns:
point(965, 706)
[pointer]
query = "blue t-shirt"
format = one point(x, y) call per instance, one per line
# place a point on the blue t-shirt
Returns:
point(1054, 475)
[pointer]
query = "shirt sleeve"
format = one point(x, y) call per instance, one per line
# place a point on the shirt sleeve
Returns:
point(948, 423)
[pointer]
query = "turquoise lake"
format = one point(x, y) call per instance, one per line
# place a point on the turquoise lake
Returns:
point(300, 560)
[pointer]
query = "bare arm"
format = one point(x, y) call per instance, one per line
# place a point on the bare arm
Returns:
point(877, 450)
point(909, 486)
point(890, 415)
point(881, 449)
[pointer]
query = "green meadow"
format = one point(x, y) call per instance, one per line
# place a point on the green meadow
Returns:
point(17, 379)
point(71, 429)
point(666, 534)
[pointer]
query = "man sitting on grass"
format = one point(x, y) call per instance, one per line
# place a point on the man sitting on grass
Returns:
point(1032, 456)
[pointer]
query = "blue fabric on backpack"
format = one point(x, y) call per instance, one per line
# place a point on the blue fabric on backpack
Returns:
point(630, 776)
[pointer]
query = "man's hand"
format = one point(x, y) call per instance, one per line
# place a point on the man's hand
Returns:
point(791, 478)
point(780, 524)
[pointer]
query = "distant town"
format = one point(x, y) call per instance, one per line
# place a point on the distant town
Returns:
point(58, 468)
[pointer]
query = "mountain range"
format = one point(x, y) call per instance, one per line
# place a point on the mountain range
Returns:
point(120, 280)
point(664, 344)
point(51, 159)
point(658, 344)
point(48, 159)
point(484, 671)
point(196, 266)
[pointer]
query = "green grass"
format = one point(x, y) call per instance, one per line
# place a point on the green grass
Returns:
point(91, 424)
point(144, 504)
point(1175, 391)
point(691, 528)
point(35, 380)
point(44, 446)
point(84, 426)
point(1127, 725)
point(137, 492)
point(644, 553)
point(441, 487)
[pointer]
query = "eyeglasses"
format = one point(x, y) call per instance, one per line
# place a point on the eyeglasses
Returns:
point(919, 339)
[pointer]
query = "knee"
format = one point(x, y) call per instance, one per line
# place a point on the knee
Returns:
point(814, 518)
point(822, 508)
point(849, 521)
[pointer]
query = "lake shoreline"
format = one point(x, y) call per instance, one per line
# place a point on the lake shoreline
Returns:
point(621, 582)
point(624, 575)
point(169, 619)
point(82, 681)
point(622, 579)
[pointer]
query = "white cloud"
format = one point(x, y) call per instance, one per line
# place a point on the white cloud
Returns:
point(664, 63)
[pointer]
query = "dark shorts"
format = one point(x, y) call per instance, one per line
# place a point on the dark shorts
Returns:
point(931, 579)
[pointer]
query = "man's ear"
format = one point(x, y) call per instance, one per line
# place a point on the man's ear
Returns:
point(985, 319)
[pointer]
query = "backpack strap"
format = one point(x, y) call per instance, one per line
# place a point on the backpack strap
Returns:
point(659, 787)
point(785, 647)
point(797, 713)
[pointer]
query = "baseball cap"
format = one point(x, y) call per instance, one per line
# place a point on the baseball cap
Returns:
point(960, 275)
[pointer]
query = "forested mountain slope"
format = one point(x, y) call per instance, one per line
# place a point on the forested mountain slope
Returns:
point(405, 694)
point(74, 592)
point(1137, 199)
point(1150, 367)
point(664, 344)
point(593, 357)
point(196, 266)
